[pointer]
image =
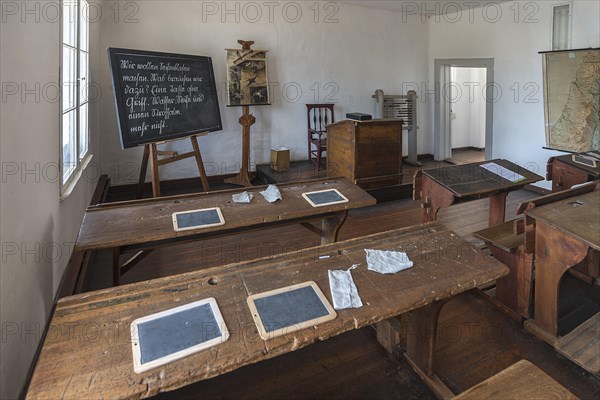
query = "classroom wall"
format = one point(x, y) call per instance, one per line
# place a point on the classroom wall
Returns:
point(37, 230)
point(468, 107)
point(342, 55)
point(513, 40)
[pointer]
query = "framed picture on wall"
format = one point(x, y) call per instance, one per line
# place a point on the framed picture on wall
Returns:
point(247, 83)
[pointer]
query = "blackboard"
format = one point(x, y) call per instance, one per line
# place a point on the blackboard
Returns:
point(324, 197)
point(167, 336)
point(288, 309)
point(163, 96)
point(196, 219)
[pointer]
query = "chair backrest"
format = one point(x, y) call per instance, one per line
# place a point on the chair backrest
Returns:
point(319, 116)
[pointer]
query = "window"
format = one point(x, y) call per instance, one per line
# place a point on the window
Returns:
point(74, 73)
point(561, 27)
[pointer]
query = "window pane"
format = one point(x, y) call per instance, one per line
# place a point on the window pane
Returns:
point(69, 77)
point(69, 22)
point(84, 26)
point(69, 153)
point(83, 130)
point(560, 27)
point(83, 77)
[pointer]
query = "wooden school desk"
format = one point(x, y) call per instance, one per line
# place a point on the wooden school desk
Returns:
point(566, 232)
point(143, 225)
point(441, 187)
point(87, 351)
point(564, 172)
point(513, 243)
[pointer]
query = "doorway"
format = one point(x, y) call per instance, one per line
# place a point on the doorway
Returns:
point(467, 114)
point(475, 89)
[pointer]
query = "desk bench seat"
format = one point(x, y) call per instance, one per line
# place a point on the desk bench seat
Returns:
point(515, 290)
point(522, 380)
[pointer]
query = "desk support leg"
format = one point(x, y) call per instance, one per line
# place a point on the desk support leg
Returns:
point(497, 208)
point(433, 197)
point(331, 227)
point(422, 333)
point(420, 345)
point(514, 290)
point(116, 267)
point(555, 253)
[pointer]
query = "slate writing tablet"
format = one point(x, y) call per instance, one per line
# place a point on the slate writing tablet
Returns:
point(285, 310)
point(327, 197)
point(172, 334)
point(196, 219)
point(585, 160)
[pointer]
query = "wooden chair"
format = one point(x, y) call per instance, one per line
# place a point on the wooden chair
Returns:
point(318, 117)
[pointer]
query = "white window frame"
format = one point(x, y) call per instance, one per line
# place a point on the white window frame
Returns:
point(68, 179)
point(569, 30)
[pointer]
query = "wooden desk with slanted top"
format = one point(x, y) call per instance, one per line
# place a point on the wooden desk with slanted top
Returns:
point(564, 172)
point(71, 365)
point(566, 233)
point(507, 242)
point(143, 225)
point(441, 187)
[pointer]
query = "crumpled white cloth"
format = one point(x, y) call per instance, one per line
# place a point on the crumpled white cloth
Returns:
point(387, 262)
point(271, 194)
point(343, 290)
point(243, 198)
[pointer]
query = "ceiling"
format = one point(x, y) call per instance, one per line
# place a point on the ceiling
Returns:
point(424, 6)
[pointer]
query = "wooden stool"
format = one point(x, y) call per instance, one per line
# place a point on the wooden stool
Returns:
point(522, 380)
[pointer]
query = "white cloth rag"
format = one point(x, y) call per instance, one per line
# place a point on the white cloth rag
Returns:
point(343, 290)
point(243, 198)
point(271, 194)
point(387, 262)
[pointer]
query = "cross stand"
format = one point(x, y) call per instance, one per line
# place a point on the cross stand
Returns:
point(151, 153)
point(246, 120)
point(243, 178)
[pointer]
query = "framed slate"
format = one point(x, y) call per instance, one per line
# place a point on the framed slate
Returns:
point(285, 310)
point(197, 219)
point(323, 198)
point(170, 335)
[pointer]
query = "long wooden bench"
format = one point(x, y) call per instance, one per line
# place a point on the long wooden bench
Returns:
point(87, 352)
point(522, 380)
point(141, 226)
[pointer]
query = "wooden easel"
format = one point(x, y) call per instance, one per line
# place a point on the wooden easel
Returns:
point(152, 153)
point(246, 120)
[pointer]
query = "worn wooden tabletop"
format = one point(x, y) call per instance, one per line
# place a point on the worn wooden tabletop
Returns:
point(87, 352)
point(146, 221)
point(577, 216)
point(473, 180)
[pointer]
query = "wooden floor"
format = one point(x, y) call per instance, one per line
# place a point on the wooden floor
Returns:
point(467, 156)
point(476, 340)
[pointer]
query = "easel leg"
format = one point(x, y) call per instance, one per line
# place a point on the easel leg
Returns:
point(154, 165)
point(143, 168)
point(200, 163)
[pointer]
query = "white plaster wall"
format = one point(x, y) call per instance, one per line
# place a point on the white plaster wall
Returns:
point(468, 105)
point(359, 51)
point(514, 42)
point(37, 230)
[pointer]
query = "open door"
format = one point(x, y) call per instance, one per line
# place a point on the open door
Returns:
point(443, 104)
